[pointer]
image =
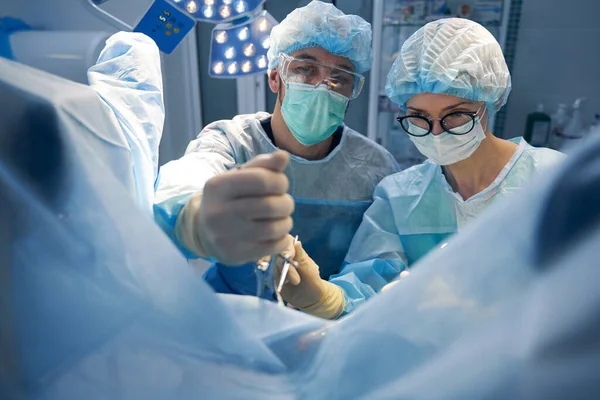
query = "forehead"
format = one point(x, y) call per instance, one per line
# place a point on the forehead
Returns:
point(435, 102)
point(321, 55)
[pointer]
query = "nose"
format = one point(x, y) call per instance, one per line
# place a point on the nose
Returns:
point(325, 77)
point(437, 128)
point(331, 84)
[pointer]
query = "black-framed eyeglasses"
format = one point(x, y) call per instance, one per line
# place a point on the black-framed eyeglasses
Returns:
point(456, 123)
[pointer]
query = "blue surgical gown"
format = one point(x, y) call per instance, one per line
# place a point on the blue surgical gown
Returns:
point(128, 78)
point(414, 211)
point(331, 194)
point(97, 304)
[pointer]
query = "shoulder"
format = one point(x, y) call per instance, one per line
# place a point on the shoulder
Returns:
point(239, 122)
point(410, 182)
point(541, 158)
point(228, 131)
point(369, 150)
point(354, 137)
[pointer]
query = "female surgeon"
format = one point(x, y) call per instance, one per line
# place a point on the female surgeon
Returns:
point(450, 78)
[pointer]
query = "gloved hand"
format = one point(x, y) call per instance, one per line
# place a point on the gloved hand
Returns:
point(391, 284)
point(242, 215)
point(305, 290)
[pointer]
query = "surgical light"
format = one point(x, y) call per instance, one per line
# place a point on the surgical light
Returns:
point(239, 40)
point(167, 23)
point(241, 45)
point(218, 68)
point(240, 6)
point(191, 7)
point(222, 10)
point(232, 68)
point(266, 43)
point(262, 62)
point(208, 11)
point(249, 50)
point(263, 24)
point(229, 53)
point(221, 37)
point(246, 67)
point(225, 12)
point(243, 33)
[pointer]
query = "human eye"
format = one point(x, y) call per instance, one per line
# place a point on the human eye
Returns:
point(459, 116)
point(304, 69)
point(344, 79)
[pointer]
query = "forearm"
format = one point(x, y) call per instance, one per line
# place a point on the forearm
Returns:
point(187, 229)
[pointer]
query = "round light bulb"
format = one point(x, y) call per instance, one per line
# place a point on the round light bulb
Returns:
point(263, 25)
point(243, 33)
point(240, 6)
point(221, 37)
point(232, 68)
point(209, 2)
point(249, 50)
point(191, 6)
point(218, 68)
point(266, 43)
point(262, 62)
point(208, 12)
point(230, 53)
point(225, 11)
point(246, 67)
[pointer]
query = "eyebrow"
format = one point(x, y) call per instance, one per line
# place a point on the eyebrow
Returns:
point(462, 103)
point(346, 66)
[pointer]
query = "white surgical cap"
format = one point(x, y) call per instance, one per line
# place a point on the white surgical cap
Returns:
point(322, 25)
point(451, 56)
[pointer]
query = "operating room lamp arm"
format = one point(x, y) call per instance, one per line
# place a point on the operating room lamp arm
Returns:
point(92, 5)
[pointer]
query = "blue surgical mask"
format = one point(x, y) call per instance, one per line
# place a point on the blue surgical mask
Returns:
point(312, 113)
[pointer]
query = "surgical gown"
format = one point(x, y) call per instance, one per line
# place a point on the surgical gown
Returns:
point(414, 211)
point(128, 78)
point(331, 194)
point(95, 302)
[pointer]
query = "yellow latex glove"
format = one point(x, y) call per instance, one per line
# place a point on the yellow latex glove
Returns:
point(305, 290)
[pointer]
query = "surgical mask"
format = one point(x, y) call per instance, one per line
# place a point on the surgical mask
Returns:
point(445, 148)
point(312, 113)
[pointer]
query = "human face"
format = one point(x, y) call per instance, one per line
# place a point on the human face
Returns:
point(316, 66)
point(454, 111)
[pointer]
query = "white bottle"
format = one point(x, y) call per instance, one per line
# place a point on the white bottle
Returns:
point(574, 130)
point(559, 121)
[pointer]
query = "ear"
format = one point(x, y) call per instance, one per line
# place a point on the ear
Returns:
point(274, 80)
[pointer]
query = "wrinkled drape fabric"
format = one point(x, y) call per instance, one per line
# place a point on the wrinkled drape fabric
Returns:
point(97, 303)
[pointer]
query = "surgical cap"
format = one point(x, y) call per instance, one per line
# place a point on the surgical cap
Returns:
point(451, 56)
point(322, 25)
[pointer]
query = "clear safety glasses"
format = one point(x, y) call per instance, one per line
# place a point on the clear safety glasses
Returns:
point(311, 72)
